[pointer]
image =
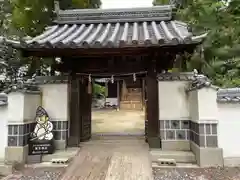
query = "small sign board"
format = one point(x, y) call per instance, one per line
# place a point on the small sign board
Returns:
point(41, 139)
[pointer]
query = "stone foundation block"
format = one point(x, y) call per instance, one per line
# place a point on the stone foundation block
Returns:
point(232, 161)
point(16, 154)
point(207, 157)
point(60, 144)
point(176, 145)
point(154, 142)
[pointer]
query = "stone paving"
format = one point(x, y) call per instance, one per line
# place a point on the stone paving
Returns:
point(119, 158)
point(103, 158)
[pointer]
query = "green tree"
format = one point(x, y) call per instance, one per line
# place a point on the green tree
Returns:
point(98, 90)
point(83, 4)
point(219, 55)
point(29, 18)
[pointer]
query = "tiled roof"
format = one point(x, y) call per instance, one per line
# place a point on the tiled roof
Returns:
point(228, 95)
point(113, 28)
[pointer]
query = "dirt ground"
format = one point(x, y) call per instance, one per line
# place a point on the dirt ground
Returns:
point(117, 122)
point(231, 173)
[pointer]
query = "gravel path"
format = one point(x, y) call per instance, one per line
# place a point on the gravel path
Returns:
point(37, 174)
point(197, 174)
point(159, 174)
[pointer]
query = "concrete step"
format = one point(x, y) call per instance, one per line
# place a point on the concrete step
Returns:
point(6, 169)
point(117, 137)
point(61, 156)
point(116, 143)
point(116, 140)
point(158, 155)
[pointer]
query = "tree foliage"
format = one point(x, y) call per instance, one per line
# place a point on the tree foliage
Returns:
point(31, 16)
point(219, 55)
point(221, 60)
point(20, 18)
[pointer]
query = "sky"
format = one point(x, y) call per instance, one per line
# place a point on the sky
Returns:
point(108, 4)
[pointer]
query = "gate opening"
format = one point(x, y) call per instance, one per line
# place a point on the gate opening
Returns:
point(118, 106)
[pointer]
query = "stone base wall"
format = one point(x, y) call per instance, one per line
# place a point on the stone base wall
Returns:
point(60, 132)
point(21, 122)
point(199, 137)
point(18, 134)
point(3, 127)
point(175, 134)
point(204, 143)
point(204, 134)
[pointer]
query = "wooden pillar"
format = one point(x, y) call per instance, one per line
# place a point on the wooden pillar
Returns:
point(124, 90)
point(118, 94)
point(74, 109)
point(143, 93)
point(53, 68)
point(153, 129)
point(106, 88)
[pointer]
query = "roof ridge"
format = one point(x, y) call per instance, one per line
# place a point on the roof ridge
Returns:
point(162, 7)
point(161, 13)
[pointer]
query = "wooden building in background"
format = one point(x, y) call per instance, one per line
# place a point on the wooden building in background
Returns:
point(125, 93)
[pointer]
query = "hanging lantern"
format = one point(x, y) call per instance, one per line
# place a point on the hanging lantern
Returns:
point(112, 79)
point(134, 77)
point(89, 84)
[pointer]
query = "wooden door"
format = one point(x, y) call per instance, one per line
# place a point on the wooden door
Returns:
point(86, 103)
point(146, 121)
point(80, 111)
point(74, 110)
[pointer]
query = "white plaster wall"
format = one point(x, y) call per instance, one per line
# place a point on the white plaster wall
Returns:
point(55, 100)
point(207, 104)
point(193, 105)
point(173, 100)
point(15, 107)
point(31, 103)
point(3, 130)
point(229, 129)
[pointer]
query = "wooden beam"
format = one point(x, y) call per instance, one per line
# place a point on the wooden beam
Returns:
point(105, 52)
point(153, 107)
